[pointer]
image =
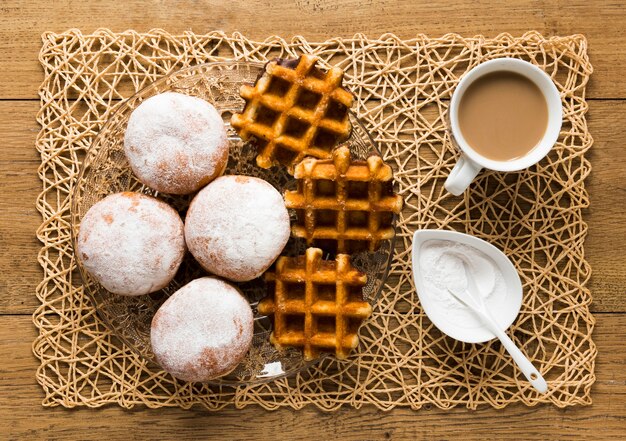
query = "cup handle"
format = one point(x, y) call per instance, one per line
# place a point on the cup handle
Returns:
point(462, 175)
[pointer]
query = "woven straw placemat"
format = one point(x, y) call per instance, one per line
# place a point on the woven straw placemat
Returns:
point(402, 89)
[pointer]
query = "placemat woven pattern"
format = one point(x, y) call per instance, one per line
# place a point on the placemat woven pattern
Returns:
point(402, 89)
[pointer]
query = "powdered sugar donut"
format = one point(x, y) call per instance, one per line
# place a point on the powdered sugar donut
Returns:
point(176, 143)
point(131, 243)
point(202, 331)
point(237, 226)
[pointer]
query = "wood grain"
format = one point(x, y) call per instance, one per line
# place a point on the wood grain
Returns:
point(22, 23)
point(606, 216)
point(20, 398)
point(18, 173)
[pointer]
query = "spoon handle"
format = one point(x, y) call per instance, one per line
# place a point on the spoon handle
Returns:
point(478, 305)
point(530, 372)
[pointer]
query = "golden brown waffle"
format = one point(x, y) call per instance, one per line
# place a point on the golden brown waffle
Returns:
point(294, 110)
point(317, 305)
point(343, 206)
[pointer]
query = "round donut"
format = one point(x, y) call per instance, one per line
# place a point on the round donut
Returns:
point(237, 226)
point(131, 243)
point(176, 143)
point(202, 331)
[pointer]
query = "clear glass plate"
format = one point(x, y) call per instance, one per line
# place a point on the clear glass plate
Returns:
point(106, 171)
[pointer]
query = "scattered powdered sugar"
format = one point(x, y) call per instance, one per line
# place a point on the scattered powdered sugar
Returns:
point(131, 243)
point(176, 143)
point(237, 226)
point(441, 265)
point(203, 330)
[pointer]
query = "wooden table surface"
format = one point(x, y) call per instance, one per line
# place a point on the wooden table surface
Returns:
point(21, 24)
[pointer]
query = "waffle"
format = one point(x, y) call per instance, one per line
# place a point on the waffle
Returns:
point(294, 110)
point(317, 305)
point(341, 205)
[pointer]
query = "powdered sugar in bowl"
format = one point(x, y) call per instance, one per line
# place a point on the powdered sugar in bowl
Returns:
point(437, 265)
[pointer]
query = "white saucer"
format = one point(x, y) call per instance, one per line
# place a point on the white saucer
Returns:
point(461, 323)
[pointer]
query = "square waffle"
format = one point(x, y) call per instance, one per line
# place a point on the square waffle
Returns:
point(294, 110)
point(341, 205)
point(317, 305)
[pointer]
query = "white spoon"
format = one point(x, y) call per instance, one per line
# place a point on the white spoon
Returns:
point(472, 299)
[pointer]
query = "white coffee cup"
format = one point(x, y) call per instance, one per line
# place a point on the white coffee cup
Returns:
point(471, 163)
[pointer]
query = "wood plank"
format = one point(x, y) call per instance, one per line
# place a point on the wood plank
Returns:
point(22, 416)
point(18, 172)
point(606, 217)
point(19, 128)
point(22, 23)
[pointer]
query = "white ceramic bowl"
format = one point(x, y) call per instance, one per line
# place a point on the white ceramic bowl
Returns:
point(460, 323)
